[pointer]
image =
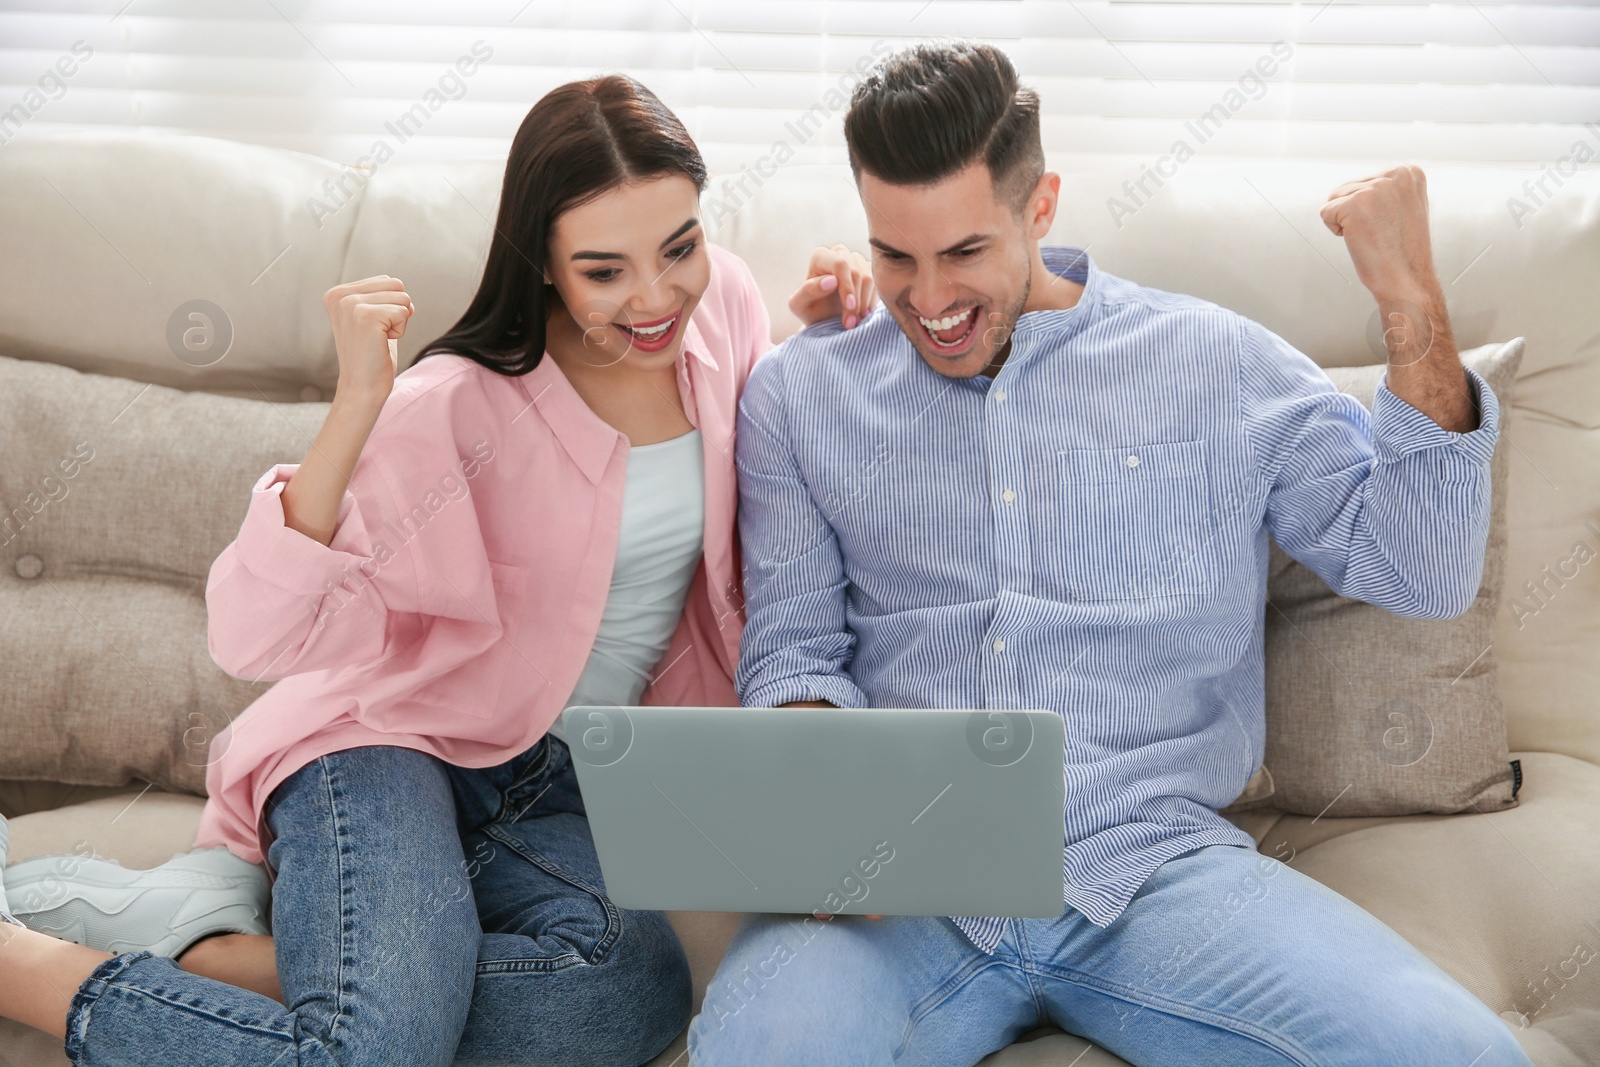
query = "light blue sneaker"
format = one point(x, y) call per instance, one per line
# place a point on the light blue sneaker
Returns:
point(95, 902)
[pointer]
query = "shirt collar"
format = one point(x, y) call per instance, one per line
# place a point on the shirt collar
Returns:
point(1075, 265)
point(694, 344)
point(588, 439)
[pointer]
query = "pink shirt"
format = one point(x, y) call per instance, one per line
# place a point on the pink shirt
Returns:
point(460, 595)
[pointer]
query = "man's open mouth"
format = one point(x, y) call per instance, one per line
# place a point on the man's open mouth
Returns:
point(952, 334)
point(651, 336)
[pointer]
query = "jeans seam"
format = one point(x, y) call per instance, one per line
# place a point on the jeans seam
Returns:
point(334, 793)
point(1025, 955)
point(540, 763)
point(1238, 1027)
point(523, 966)
point(944, 991)
point(613, 918)
point(516, 816)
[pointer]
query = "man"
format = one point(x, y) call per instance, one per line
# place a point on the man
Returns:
point(1026, 483)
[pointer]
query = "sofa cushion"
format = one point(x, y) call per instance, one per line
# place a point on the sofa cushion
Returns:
point(1369, 713)
point(162, 227)
point(1500, 900)
point(117, 497)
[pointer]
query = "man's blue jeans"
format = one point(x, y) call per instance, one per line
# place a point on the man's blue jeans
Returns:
point(424, 914)
point(1224, 957)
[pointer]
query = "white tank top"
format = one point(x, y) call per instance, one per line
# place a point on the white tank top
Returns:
point(658, 549)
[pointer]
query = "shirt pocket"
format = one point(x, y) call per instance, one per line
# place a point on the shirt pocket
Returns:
point(1136, 521)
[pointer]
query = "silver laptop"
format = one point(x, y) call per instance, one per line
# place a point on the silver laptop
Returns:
point(842, 811)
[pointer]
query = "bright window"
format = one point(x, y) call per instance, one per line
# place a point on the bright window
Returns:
point(1122, 80)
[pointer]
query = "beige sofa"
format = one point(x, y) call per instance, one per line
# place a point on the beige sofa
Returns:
point(108, 237)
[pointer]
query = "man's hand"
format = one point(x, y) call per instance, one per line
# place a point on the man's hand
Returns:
point(1383, 219)
point(838, 285)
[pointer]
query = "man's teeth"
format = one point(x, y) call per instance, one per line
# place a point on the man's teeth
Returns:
point(948, 323)
point(654, 331)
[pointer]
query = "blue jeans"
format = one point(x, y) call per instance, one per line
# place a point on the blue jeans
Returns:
point(424, 914)
point(1224, 957)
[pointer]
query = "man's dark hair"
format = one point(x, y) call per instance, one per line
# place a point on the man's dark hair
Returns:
point(930, 110)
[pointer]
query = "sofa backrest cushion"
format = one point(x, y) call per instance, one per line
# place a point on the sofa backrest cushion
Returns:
point(118, 496)
point(262, 233)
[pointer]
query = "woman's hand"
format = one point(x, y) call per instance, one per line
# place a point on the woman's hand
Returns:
point(367, 316)
point(838, 285)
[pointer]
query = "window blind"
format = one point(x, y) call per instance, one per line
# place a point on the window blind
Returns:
point(1121, 80)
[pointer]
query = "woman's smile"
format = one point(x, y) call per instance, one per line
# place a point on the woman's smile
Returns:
point(653, 336)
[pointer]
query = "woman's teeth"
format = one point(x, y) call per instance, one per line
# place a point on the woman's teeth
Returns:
point(653, 331)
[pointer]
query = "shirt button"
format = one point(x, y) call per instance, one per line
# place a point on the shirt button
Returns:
point(999, 645)
point(1008, 496)
point(999, 394)
point(1133, 461)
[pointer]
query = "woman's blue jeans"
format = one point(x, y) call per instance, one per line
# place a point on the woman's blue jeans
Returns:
point(424, 914)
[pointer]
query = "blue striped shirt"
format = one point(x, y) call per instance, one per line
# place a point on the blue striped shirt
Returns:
point(1086, 533)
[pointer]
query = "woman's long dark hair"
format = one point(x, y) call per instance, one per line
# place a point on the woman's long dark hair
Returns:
point(577, 142)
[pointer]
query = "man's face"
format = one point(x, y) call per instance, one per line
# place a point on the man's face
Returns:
point(951, 265)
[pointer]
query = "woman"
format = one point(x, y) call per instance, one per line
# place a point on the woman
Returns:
point(538, 513)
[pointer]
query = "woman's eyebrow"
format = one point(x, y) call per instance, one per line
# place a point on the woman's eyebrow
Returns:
point(679, 232)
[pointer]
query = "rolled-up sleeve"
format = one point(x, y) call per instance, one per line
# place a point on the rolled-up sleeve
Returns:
point(797, 644)
point(1388, 507)
point(273, 551)
point(280, 603)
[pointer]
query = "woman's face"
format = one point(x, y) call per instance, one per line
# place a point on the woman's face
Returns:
point(630, 266)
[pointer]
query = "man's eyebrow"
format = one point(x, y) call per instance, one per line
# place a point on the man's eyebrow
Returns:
point(679, 232)
point(971, 239)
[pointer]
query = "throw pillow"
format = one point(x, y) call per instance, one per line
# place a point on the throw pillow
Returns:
point(1369, 713)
